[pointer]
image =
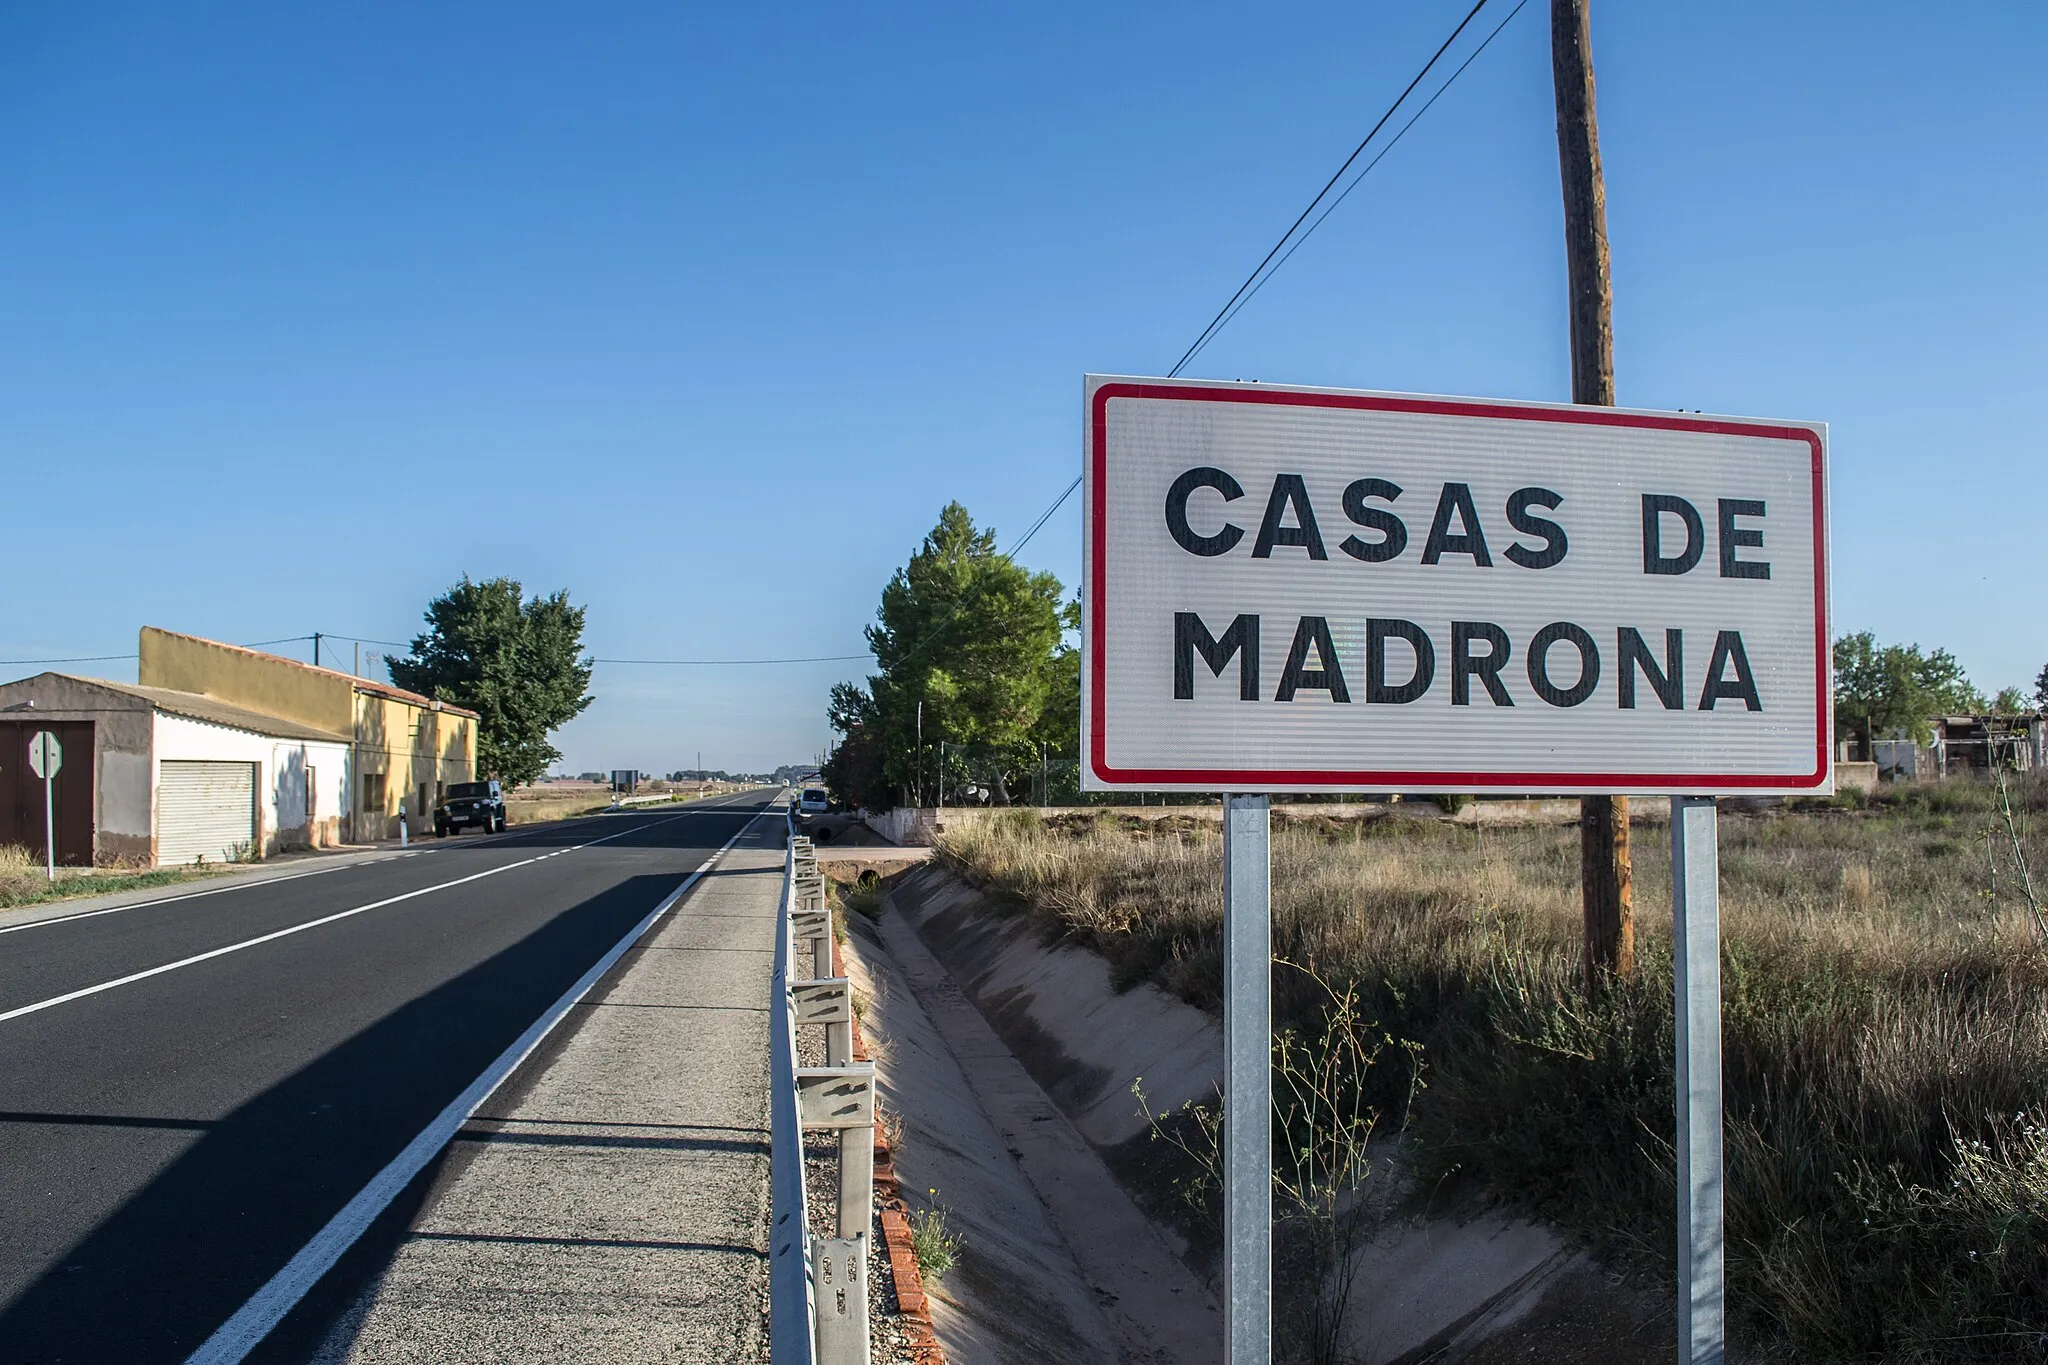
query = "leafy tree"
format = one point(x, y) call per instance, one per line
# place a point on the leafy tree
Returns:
point(2041, 688)
point(857, 772)
point(1059, 724)
point(1885, 689)
point(978, 641)
point(511, 659)
point(2010, 701)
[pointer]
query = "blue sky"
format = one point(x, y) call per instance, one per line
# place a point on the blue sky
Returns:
point(704, 312)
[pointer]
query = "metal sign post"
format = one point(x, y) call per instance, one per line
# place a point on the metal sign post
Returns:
point(45, 758)
point(1696, 1017)
point(1247, 1080)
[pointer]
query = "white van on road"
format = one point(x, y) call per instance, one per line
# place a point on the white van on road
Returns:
point(812, 802)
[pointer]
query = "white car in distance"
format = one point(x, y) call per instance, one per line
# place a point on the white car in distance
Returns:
point(812, 801)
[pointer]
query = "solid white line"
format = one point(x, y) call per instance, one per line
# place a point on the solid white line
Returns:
point(237, 885)
point(273, 936)
point(267, 1307)
point(250, 883)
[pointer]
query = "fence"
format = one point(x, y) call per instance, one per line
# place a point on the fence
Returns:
point(818, 1286)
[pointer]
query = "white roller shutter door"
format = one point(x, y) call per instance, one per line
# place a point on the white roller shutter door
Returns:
point(204, 810)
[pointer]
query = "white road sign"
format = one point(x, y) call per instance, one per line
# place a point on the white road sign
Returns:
point(1293, 589)
point(45, 755)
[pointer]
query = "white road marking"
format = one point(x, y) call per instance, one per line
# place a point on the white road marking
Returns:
point(273, 936)
point(246, 884)
point(237, 885)
point(268, 1306)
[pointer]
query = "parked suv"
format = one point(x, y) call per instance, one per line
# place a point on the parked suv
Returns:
point(471, 803)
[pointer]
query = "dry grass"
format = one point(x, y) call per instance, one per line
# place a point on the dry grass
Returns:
point(557, 801)
point(1885, 1035)
point(563, 800)
point(22, 879)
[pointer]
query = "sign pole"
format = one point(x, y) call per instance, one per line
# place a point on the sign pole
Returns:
point(49, 828)
point(1247, 1080)
point(45, 758)
point(1696, 961)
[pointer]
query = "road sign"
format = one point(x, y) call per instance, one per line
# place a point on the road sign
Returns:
point(45, 759)
point(45, 755)
point(1291, 589)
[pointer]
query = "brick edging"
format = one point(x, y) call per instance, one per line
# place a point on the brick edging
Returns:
point(911, 1304)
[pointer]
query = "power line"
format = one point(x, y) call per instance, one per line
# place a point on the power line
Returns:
point(116, 658)
point(1216, 322)
point(1255, 281)
point(1232, 311)
point(1043, 518)
point(694, 663)
point(355, 639)
point(77, 659)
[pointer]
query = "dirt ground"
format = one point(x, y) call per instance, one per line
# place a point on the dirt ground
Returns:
point(1586, 1318)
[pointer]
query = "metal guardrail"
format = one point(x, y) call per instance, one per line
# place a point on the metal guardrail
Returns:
point(818, 1287)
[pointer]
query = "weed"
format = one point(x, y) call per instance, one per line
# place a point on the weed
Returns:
point(863, 896)
point(937, 1248)
point(1323, 1129)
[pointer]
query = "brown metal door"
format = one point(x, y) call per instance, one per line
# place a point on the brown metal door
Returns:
point(21, 791)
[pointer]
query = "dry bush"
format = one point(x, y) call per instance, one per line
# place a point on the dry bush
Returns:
point(23, 880)
point(21, 874)
point(1885, 1034)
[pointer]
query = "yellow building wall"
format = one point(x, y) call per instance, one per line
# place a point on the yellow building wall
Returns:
point(417, 751)
point(243, 677)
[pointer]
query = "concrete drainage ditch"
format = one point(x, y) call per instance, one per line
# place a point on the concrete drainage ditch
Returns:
point(1010, 1062)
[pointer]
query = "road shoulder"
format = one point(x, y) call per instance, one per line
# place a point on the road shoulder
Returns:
point(613, 1205)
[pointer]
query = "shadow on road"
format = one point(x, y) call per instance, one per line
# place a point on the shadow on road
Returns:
point(166, 1268)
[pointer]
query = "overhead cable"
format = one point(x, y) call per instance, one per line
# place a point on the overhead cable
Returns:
point(1257, 280)
point(1217, 322)
point(811, 659)
point(1232, 310)
point(78, 659)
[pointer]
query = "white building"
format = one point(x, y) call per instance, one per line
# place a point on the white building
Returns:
point(153, 776)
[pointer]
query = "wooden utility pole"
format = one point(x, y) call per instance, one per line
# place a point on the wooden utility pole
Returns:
point(1603, 820)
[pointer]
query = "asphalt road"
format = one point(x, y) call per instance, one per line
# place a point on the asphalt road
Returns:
point(169, 1143)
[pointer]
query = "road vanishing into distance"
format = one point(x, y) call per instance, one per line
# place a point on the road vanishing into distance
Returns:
point(177, 1122)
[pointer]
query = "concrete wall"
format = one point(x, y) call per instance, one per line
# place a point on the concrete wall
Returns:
point(909, 826)
point(243, 677)
point(317, 771)
point(121, 787)
point(281, 768)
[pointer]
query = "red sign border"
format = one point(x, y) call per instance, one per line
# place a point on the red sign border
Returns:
point(1219, 779)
